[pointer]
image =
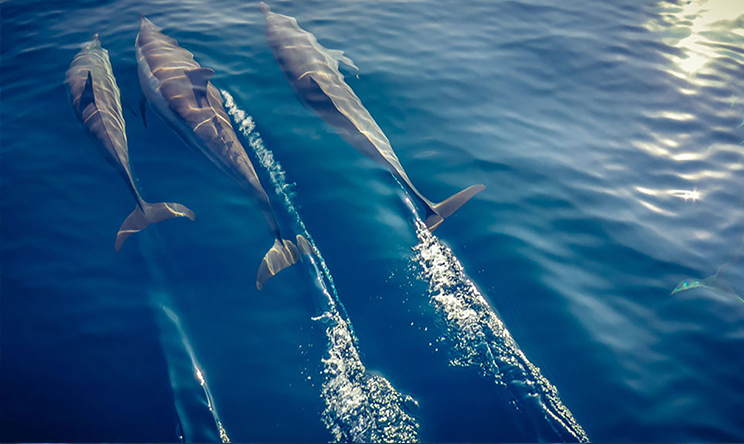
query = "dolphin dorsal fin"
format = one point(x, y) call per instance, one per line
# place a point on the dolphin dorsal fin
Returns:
point(338, 55)
point(87, 97)
point(199, 78)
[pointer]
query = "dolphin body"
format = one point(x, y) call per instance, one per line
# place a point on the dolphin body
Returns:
point(312, 71)
point(179, 90)
point(96, 100)
point(714, 282)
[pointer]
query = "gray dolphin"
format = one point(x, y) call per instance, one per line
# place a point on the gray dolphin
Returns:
point(95, 99)
point(312, 71)
point(179, 90)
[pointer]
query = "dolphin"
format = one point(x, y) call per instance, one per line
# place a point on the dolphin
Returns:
point(96, 100)
point(312, 71)
point(713, 282)
point(179, 90)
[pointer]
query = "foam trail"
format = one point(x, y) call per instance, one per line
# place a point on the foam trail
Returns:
point(479, 339)
point(360, 407)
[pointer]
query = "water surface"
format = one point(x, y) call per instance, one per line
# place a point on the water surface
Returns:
point(609, 137)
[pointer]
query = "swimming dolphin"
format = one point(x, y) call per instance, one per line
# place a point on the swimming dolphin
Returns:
point(179, 90)
point(95, 99)
point(312, 71)
point(714, 282)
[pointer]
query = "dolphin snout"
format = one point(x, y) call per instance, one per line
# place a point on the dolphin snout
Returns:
point(145, 23)
point(264, 7)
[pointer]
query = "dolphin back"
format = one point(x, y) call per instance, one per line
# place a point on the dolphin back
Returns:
point(95, 98)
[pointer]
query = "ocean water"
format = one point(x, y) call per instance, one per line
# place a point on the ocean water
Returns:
point(608, 135)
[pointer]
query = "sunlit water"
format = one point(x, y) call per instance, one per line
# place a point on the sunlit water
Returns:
point(609, 137)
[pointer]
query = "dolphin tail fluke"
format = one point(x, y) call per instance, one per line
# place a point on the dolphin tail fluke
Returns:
point(304, 246)
point(444, 209)
point(153, 213)
point(281, 255)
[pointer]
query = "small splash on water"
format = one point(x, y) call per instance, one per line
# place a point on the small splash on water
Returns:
point(479, 339)
point(359, 406)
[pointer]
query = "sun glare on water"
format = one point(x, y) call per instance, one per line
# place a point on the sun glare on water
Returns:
point(698, 19)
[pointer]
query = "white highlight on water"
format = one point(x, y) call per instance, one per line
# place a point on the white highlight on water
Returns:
point(198, 372)
point(187, 401)
point(360, 407)
point(480, 339)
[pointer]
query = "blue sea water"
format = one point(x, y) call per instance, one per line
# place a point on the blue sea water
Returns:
point(608, 135)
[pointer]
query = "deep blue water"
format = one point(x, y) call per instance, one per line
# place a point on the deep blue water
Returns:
point(609, 137)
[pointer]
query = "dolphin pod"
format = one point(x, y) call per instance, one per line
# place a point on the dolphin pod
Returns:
point(179, 90)
point(96, 100)
point(312, 71)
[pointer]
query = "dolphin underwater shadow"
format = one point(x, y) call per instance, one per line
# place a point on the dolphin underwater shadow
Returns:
point(95, 98)
point(180, 92)
point(312, 72)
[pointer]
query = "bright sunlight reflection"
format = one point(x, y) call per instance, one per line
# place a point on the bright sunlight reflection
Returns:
point(693, 195)
point(700, 18)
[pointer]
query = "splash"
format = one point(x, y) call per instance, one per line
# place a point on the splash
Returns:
point(359, 406)
point(479, 339)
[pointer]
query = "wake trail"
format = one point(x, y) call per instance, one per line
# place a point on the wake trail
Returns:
point(359, 406)
point(198, 372)
point(184, 369)
point(478, 338)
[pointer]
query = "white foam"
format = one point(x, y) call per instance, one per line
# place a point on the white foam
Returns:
point(359, 407)
point(479, 339)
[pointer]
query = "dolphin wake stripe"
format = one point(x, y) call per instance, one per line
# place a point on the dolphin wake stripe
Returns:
point(359, 407)
point(478, 338)
point(183, 367)
point(198, 373)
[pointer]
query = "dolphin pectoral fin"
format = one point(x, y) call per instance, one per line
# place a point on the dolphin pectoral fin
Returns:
point(88, 97)
point(444, 209)
point(304, 246)
point(143, 108)
point(199, 78)
point(153, 213)
point(281, 255)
